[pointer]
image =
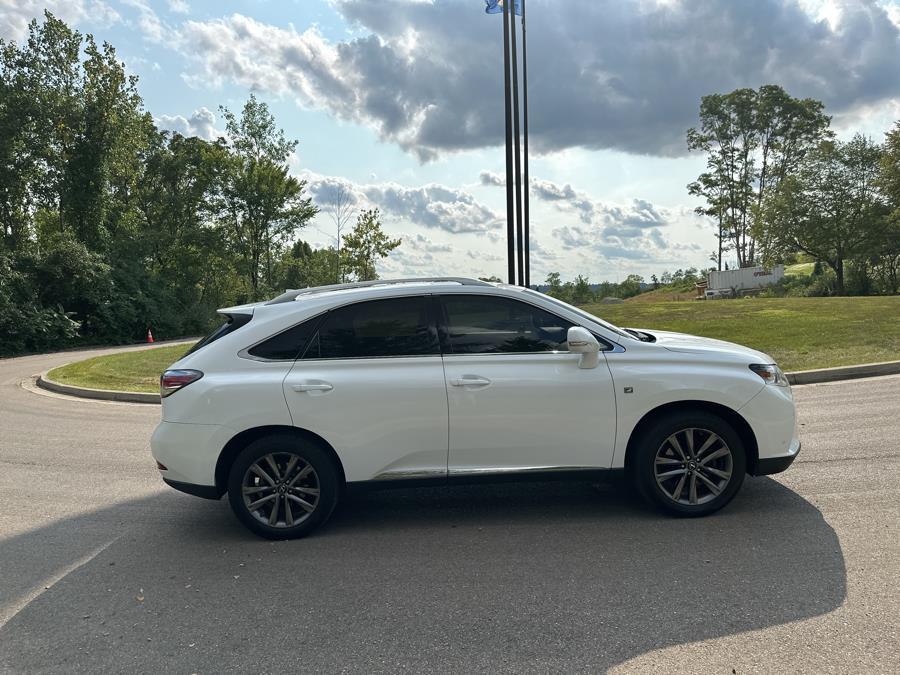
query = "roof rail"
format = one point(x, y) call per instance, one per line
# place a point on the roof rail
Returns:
point(293, 294)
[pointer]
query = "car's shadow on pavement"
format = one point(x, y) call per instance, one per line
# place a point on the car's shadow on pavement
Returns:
point(518, 577)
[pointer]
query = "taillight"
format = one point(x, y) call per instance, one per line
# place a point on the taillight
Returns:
point(173, 380)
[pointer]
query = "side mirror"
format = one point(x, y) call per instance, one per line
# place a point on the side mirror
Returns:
point(581, 341)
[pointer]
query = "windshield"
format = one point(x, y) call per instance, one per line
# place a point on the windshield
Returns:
point(586, 315)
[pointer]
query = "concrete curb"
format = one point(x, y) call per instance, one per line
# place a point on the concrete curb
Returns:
point(844, 373)
point(98, 394)
point(45, 382)
point(799, 377)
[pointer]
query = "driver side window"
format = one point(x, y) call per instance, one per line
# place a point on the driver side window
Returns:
point(481, 324)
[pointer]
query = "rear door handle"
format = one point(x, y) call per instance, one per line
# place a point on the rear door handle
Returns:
point(470, 381)
point(312, 386)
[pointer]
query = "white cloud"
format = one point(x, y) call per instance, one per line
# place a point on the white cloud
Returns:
point(179, 7)
point(149, 22)
point(201, 123)
point(15, 15)
point(433, 206)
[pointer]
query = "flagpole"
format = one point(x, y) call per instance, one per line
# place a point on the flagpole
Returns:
point(527, 221)
point(520, 239)
point(510, 225)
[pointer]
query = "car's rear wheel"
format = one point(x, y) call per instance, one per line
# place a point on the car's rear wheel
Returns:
point(689, 464)
point(282, 486)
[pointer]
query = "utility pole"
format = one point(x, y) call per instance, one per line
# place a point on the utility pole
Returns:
point(510, 224)
point(520, 235)
point(527, 221)
point(518, 230)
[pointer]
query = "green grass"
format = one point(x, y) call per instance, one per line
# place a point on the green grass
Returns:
point(126, 371)
point(800, 333)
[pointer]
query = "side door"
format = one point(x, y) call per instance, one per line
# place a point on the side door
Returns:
point(371, 383)
point(518, 399)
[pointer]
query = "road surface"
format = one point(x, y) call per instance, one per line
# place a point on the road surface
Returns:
point(103, 568)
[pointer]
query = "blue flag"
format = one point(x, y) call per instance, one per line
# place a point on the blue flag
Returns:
point(496, 7)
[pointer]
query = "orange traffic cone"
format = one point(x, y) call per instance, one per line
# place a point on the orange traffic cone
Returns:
point(149, 335)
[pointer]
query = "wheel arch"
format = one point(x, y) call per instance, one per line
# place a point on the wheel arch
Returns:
point(241, 440)
point(732, 417)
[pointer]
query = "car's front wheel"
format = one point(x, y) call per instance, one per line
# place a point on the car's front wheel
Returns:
point(689, 464)
point(282, 486)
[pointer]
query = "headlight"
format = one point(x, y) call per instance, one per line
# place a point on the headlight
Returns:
point(770, 373)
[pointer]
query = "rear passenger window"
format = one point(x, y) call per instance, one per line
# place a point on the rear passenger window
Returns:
point(480, 324)
point(378, 328)
point(287, 345)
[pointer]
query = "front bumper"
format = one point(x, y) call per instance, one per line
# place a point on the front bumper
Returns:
point(772, 416)
point(768, 465)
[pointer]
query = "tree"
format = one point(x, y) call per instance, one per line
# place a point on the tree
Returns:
point(365, 245)
point(303, 267)
point(582, 293)
point(753, 139)
point(831, 209)
point(887, 256)
point(40, 86)
point(260, 205)
point(340, 205)
point(555, 283)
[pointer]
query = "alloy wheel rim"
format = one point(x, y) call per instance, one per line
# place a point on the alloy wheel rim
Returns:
point(693, 466)
point(281, 489)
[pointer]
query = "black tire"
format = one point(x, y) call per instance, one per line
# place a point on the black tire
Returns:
point(301, 468)
point(656, 456)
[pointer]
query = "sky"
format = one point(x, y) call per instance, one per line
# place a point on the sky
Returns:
point(400, 102)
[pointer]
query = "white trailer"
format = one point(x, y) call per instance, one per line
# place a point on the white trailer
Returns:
point(742, 281)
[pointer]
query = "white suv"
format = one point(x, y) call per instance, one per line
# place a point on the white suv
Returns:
point(401, 382)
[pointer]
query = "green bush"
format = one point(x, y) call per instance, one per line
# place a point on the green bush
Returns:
point(25, 324)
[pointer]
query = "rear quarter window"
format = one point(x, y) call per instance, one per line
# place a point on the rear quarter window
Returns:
point(232, 324)
point(287, 345)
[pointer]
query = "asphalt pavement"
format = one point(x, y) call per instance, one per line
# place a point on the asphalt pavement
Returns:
point(105, 569)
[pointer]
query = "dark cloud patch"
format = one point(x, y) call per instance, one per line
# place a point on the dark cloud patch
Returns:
point(623, 75)
point(613, 74)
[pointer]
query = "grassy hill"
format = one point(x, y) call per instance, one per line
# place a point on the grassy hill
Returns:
point(800, 333)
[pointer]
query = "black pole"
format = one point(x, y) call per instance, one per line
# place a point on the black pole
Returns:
point(510, 225)
point(527, 221)
point(520, 239)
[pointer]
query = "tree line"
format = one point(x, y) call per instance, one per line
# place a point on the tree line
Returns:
point(110, 226)
point(778, 184)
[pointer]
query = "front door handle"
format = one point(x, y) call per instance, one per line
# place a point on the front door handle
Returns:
point(470, 381)
point(312, 386)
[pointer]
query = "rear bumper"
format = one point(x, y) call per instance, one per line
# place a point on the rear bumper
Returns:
point(769, 465)
point(189, 452)
point(205, 491)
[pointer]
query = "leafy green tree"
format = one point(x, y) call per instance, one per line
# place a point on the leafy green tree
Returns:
point(260, 205)
point(831, 209)
point(40, 85)
point(581, 291)
point(303, 267)
point(555, 283)
point(753, 140)
point(886, 258)
point(365, 245)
